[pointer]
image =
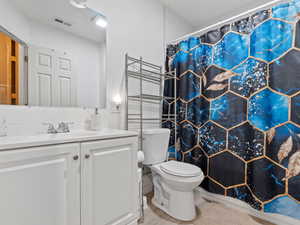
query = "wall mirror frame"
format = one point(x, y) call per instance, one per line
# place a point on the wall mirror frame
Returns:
point(52, 54)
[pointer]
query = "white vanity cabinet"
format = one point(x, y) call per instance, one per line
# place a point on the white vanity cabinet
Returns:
point(83, 183)
point(40, 186)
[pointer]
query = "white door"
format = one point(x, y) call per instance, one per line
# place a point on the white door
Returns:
point(66, 80)
point(40, 186)
point(52, 80)
point(41, 80)
point(109, 182)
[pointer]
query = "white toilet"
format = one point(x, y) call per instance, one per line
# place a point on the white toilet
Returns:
point(174, 182)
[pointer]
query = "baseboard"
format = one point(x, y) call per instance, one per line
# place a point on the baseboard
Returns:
point(277, 219)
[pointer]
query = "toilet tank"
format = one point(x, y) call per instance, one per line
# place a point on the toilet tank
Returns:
point(155, 145)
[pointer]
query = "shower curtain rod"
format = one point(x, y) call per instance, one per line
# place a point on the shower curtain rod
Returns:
point(244, 14)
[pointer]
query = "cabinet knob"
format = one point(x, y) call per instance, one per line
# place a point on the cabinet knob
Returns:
point(76, 157)
point(87, 156)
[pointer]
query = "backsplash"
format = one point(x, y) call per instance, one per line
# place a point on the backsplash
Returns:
point(24, 120)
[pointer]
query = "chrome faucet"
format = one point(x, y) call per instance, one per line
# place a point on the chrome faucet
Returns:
point(62, 128)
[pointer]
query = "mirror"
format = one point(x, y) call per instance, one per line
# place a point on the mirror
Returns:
point(52, 54)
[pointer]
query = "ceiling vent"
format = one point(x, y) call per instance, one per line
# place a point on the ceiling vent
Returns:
point(57, 20)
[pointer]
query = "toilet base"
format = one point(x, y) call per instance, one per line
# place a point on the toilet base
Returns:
point(179, 205)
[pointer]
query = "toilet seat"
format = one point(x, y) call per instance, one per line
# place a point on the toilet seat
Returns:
point(180, 169)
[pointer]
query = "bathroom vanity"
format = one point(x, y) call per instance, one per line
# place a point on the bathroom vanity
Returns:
point(79, 178)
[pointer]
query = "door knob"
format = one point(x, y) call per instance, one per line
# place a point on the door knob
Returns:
point(87, 156)
point(76, 157)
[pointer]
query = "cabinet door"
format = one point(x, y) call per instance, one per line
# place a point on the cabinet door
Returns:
point(40, 186)
point(109, 182)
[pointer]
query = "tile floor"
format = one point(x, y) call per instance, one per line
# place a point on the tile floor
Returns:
point(210, 214)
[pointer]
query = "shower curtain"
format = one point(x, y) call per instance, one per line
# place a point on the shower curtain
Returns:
point(238, 108)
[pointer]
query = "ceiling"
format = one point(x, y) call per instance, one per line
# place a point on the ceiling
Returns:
point(45, 11)
point(200, 14)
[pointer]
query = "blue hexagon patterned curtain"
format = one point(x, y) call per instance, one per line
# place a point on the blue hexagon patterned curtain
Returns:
point(238, 108)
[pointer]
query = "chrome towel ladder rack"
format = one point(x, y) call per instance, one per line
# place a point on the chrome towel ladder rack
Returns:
point(146, 73)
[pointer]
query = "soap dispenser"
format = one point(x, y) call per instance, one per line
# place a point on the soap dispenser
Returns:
point(96, 120)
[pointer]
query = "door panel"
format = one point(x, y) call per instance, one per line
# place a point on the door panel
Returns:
point(109, 184)
point(64, 65)
point(40, 186)
point(67, 80)
point(44, 89)
point(45, 60)
point(65, 91)
point(41, 78)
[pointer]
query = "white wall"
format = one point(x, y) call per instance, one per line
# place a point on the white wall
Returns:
point(175, 26)
point(13, 21)
point(135, 26)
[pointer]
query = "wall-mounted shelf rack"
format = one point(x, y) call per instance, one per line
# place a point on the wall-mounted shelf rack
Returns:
point(150, 73)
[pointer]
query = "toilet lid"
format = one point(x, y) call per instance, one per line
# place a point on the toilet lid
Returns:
point(180, 169)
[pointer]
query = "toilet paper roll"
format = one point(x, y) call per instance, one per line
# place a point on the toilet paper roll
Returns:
point(140, 156)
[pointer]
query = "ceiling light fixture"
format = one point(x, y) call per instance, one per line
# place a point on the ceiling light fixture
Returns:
point(101, 21)
point(81, 4)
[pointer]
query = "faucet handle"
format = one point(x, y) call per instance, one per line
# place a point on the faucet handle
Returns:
point(63, 127)
point(51, 128)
